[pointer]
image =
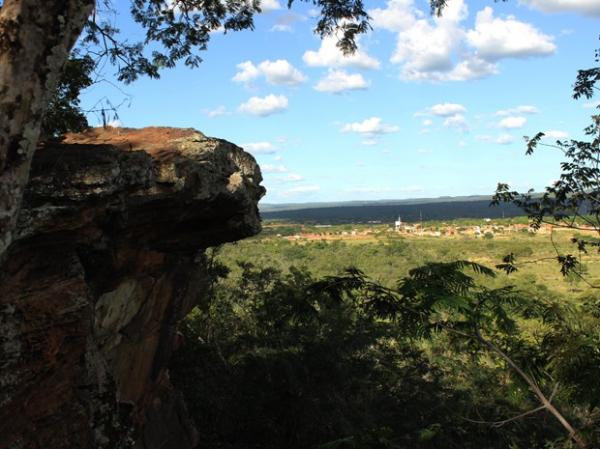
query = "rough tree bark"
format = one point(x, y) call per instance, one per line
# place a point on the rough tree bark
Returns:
point(36, 37)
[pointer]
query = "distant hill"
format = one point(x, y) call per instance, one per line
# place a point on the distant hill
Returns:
point(388, 210)
point(267, 207)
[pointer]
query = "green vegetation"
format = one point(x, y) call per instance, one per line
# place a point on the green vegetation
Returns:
point(386, 255)
point(292, 350)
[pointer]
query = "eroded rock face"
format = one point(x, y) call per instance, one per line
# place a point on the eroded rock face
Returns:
point(108, 259)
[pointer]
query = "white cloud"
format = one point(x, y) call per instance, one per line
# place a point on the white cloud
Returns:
point(285, 21)
point(279, 72)
point(446, 109)
point(338, 81)
point(398, 16)
point(264, 106)
point(442, 49)
point(457, 121)
point(281, 28)
point(329, 55)
point(585, 7)
point(260, 147)
point(504, 139)
point(556, 134)
point(301, 189)
point(426, 46)
point(523, 109)
point(453, 114)
point(218, 111)
point(472, 68)
point(247, 71)
point(269, 5)
point(512, 122)
point(496, 38)
point(527, 109)
point(428, 50)
point(269, 168)
point(371, 126)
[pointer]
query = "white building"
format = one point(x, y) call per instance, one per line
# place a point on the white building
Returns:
point(398, 224)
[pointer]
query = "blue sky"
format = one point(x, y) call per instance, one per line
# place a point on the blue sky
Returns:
point(427, 107)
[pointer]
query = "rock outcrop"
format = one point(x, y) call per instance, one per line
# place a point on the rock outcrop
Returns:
point(109, 257)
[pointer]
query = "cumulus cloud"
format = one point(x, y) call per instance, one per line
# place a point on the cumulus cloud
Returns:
point(446, 109)
point(512, 122)
point(337, 81)
point(457, 121)
point(584, 7)
point(443, 49)
point(371, 126)
point(260, 147)
point(426, 47)
point(279, 72)
point(452, 113)
point(396, 17)
point(247, 71)
point(495, 38)
point(264, 106)
point(329, 55)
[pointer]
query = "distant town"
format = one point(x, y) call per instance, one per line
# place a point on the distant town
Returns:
point(488, 228)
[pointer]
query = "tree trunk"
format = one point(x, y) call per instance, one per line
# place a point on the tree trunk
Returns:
point(36, 37)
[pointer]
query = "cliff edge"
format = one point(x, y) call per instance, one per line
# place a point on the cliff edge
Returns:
point(109, 257)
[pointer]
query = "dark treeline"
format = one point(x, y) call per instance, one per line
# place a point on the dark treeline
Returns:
point(408, 212)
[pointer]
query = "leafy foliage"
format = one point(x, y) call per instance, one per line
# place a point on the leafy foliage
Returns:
point(284, 360)
point(64, 113)
point(178, 30)
point(573, 201)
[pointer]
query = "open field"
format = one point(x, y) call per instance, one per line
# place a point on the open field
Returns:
point(387, 255)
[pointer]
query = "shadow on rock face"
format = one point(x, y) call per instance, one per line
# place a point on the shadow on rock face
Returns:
point(108, 259)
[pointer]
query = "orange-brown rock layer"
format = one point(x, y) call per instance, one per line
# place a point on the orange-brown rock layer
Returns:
point(108, 259)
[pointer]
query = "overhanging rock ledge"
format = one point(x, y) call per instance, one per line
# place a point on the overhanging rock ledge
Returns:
point(108, 258)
